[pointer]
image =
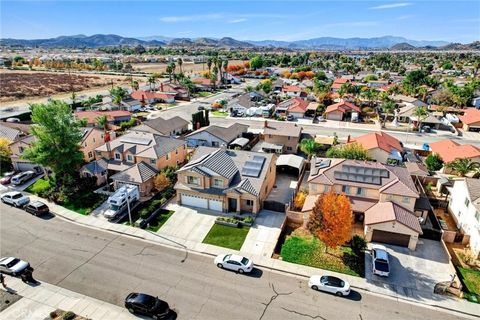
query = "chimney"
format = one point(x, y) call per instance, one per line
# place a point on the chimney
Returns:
point(348, 139)
point(161, 87)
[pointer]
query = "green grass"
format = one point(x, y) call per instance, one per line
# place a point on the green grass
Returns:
point(84, 203)
point(204, 94)
point(39, 186)
point(227, 237)
point(219, 113)
point(471, 278)
point(161, 219)
point(303, 248)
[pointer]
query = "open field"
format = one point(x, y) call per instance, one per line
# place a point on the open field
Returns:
point(20, 85)
point(187, 68)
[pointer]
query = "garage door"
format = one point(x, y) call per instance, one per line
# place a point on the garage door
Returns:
point(390, 238)
point(215, 205)
point(192, 201)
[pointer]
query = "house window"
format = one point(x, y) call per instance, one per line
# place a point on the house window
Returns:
point(215, 144)
point(289, 148)
point(218, 183)
point(193, 180)
point(167, 156)
point(326, 188)
point(93, 140)
point(406, 200)
point(104, 172)
point(85, 144)
point(129, 158)
point(21, 149)
point(269, 135)
point(360, 191)
point(153, 161)
point(467, 202)
point(90, 155)
point(250, 203)
point(346, 189)
point(288, 137)
point(118, 156)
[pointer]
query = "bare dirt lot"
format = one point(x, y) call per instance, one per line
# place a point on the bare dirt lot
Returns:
point(187, 67)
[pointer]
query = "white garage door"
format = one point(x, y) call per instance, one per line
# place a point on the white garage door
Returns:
point(215, 205)
point(188, 200)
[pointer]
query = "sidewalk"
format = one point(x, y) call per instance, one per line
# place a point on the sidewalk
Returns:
point(423, 297)
point(39, 300)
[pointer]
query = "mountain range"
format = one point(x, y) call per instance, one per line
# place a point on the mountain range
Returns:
point(327, 43)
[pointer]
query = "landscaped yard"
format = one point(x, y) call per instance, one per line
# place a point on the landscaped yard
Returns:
point(204, 94)
point(227, 237)
point(220, 113)
point(302, 247)
point(471, 279)
point(160, 221)
point(38, 186)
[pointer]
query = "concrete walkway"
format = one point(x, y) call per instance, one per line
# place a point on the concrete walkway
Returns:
point(423, 297)
point(39, 300)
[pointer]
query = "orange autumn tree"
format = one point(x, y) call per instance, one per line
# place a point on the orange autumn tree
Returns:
point(331, 219)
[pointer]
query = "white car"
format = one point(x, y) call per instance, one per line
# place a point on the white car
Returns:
point(22, 177)
point(13, 266)
point(234, 262)
point(380, 261)
point(329, 284)
point(15, 199)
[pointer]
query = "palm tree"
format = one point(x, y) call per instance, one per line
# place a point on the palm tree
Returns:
point(214, 77)
point(463, 166)
point(73, 97)
point(180, 62)
point(387, 107)
point(102, 121)
point(310, 147)
point(209, 63)
point(169, 70)
point(225, 66)
point(134, 84)
point(150, 81)
point(420, 113)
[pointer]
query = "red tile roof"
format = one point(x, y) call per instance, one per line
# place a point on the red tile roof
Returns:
point(470, 116)
point(342, 106)
point(291, 89)
point(150, 95)
point(379, 140)
point(295, 105)
point(450, 150)
point(92, 115)
point(337, 83)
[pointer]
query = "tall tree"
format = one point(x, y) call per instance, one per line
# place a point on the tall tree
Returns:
point(118, 94)
point(331, 219)
point(58, 137)
point(310, 147)
point(420, 113)
point(134, 84)
point(5, 162)
point(463, 166)
point(180, 62)
point(352, 151)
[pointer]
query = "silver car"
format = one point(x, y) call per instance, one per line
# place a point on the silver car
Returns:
point(22, 177)
point(13, 266)
point(15, 199)
point(329, 284)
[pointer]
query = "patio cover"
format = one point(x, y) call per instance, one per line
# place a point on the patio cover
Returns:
point(242, 142)
point(291, 160)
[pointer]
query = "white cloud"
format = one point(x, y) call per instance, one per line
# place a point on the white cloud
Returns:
point(199, 17)
point(237, 20)
point(405, 17)
point(391, 6)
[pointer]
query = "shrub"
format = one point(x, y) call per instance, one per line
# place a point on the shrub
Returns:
point(358, 245)
point(299, 200)
point(367, 110)
point(434, 162)
point(248, 220)
point(69, 315)
point(53, 314)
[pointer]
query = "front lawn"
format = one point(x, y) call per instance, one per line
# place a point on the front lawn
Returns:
point(39, 186)
point(220, 113)
point(204, 94)
point(303, 248)
point(84, 203)
point(471, 279)
point(160, 220)
point(227, 237)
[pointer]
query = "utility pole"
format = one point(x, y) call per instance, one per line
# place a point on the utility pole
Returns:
point(129, 212)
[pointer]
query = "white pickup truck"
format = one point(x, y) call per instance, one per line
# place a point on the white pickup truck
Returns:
point(380, 261)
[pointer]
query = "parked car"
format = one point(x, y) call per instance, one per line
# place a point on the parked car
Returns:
point(7, 177)
point(201, 108)
point(380, 261)
point(329, 284)
point(22, 177)
point(290, 117)
point(13, 266)
point(234, 262)
point(37, 208)
point(321, 119)
point(426, 129)
point(147, 305)
point(15, 198)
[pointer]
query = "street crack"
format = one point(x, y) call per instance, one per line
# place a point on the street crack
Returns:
point(272, 298)
point(304, 314)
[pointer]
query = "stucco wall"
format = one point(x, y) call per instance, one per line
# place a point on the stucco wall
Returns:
point(392, 227)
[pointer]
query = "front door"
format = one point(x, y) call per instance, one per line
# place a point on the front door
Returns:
point(232, 204)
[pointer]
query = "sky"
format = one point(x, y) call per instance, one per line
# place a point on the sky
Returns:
point(453, 21)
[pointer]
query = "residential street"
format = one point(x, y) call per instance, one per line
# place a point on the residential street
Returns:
point(107, 266)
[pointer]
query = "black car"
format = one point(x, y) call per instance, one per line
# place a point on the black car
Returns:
point(147, 305)
point(37, 208)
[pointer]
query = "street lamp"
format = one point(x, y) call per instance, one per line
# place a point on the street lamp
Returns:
point(129, 212)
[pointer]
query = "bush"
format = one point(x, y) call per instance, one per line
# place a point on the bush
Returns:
point(434, 162)
point(358, 245)
point(53, 314)
point(69, 315)
point(367, 110)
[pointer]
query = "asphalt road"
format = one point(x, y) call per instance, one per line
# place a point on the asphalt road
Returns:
point(107, 266)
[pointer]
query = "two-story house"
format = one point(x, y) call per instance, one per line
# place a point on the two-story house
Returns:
point(216, 136)
point(464, 207)
point(226, 180)
point(382, 196)
point(450, 150)
point(295, 107)
point(136, 157)
point(381, 147)
point(280, 137)
point(292, 91)
point(166, 127)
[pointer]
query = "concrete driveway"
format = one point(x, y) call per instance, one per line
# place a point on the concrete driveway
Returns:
point(187, 225)
point(413, 273)
point(284, 188)
point(25, 185)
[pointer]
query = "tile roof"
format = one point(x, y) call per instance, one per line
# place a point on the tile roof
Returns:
point(470, 116)
point(473, 186)
point(342, 106)
point(151, 95)
point(450, 150)
point(282, 129)
point(379, 140)
point(357, 204)
point(217, 162)
point(397, 180)
point(337, 83)
point(96, 166)
point(138, 173)
point(226, 134)
point(161, 125)
point(294, 105)
point(389, 211)
point(417, 169)
point(91, 116)
point(9, 133)
point(291, 89)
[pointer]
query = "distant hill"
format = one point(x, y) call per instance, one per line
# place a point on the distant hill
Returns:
point(458, 46)
point(402, 46)
point(94, 41)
